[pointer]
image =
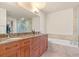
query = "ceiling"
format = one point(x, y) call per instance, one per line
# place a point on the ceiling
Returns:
point(15, 11)
point(57, 6)
point(18, 12)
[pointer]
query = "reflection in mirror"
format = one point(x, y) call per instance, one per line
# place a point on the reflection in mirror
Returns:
point(21, 25)
point(14, 19)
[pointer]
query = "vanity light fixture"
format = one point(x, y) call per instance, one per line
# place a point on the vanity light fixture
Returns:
point(39, 5)
point(31, 5)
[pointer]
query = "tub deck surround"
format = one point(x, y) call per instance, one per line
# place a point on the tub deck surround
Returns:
point(59, 36)
point(31, 45)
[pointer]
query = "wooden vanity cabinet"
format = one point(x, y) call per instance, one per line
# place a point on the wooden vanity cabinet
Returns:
point(27, 47)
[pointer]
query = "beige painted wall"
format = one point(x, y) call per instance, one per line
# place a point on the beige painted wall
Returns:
point(60, 22)
point(78, 20)
point(36, 23)
point(2, 21)
point(39, 23)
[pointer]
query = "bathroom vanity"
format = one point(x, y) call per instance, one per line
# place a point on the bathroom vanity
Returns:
point(32, 45)
point(20, 21)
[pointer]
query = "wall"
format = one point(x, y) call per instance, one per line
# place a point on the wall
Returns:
point(38, 22)
point(60, 25)
point(42, 22)
point(64, 25)
point(77, 23)
point(2, 21)
point(78, 20)
point(60, 22)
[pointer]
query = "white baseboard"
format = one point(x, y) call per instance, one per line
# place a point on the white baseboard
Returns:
point(63, 42)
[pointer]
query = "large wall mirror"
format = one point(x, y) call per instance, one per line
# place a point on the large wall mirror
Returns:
point(14, 19)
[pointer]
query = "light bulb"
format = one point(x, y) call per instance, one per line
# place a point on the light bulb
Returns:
point(39, 5)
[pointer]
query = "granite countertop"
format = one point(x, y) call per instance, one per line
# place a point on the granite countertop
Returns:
point(7, 40)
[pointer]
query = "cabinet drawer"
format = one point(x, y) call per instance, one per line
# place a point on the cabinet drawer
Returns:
point(25, 42)
point(35, 45)
point(10, 46)
point(35, 41)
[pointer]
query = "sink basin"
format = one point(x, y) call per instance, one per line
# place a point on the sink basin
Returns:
point(3, 39)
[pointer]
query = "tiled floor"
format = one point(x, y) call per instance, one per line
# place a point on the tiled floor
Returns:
point(56, 50)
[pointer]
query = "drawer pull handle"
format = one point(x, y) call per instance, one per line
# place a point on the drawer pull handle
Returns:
point(11, 47)
point(26, 42)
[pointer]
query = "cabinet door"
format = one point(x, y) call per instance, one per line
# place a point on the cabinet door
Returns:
point(22, 52)
point(25, 48)
point(25, 51)
point(41, 47)
point(35, 52)
point(43, 44)
point(34, 49)
point(46, 42)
